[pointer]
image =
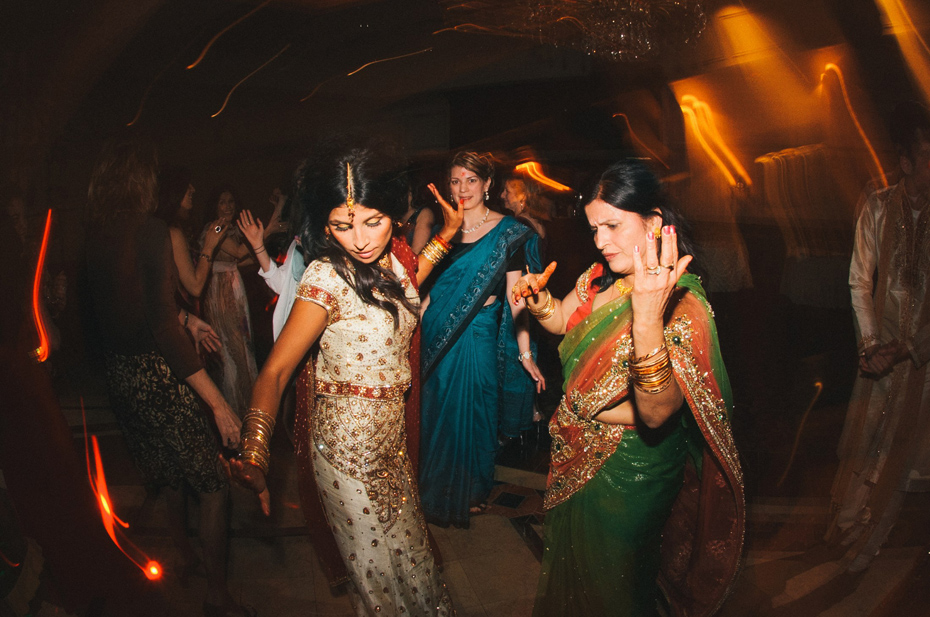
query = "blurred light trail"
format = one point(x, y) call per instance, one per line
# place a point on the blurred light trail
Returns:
point(7, 561)
point(852, 114)
point(98, 484)
point(40, 353)
point(224, 31)
point(267, 62)
point(691, 116)
point(629, 128)
point(389, 59)
point(463, 26)
point(534, 171)
point(319, 85)
point(706, 120)
point(913, 47)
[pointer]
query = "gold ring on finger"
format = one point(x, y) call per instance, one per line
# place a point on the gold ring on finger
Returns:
point(653, 270)
point(668, 267)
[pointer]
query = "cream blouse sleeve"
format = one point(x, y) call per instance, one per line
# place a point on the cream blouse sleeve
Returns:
point(322, 285)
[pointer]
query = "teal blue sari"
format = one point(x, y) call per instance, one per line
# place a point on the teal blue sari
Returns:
point(461, 395)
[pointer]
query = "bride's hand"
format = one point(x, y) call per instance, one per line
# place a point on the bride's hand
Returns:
point(249, 476)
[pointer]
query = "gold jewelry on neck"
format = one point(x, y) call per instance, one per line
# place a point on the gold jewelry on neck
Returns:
point(623, 289)
point(385, 261)
point(487, 212)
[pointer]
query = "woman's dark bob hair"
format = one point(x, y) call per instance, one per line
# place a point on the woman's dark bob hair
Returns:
point(376, 174)
point(630, 185)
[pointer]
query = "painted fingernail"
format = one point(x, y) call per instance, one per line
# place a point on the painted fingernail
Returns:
point(535, 290)
point(672, 227)
point(636, 249)
point(650, 236)
point(667, 230)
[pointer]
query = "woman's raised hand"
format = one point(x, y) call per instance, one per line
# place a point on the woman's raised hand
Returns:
point(212, 237)
point(655, 278)
point(452, 217)
point(252, 228)
point(531, 284)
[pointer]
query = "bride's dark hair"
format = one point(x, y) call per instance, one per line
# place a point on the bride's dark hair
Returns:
point(378, 182)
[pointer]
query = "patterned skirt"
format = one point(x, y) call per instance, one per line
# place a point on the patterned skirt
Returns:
point(167, 433)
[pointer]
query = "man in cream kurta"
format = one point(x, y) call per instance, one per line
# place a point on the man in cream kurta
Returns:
point(885, 447)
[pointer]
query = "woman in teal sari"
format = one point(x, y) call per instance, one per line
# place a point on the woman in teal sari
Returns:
point(645, 488)
point(465, 326)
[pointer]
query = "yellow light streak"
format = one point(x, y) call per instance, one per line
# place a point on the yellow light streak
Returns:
point(534, 171)
point(706, 119)
point(269, 61)
point(852, 114)
point(224, 31)
point(691, 116)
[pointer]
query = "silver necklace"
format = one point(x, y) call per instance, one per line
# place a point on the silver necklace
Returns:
point(487, 211)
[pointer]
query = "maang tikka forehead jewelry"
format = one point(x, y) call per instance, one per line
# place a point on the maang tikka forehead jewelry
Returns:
point(350, 193)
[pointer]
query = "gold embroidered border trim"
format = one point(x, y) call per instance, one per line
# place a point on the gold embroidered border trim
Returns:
point(584, 283)
point(322, 297)
point(347, 389)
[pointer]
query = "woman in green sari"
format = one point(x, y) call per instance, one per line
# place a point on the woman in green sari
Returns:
point(645, 488)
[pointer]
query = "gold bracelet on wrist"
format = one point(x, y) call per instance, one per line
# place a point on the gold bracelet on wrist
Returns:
point(547, 310)
point(435, 250)
point(256, 431)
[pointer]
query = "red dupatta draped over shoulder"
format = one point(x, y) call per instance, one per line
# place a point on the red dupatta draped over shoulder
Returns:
point(320, 533)
point(703, 538)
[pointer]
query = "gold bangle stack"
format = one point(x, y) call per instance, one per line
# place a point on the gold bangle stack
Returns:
point(257, 427)
point(436, 250)
point(547, 310)
point(652, 373)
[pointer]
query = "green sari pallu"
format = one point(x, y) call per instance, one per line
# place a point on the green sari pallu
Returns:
point(632, 508)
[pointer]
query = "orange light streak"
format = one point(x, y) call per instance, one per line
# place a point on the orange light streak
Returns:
point(319, 85)
point(98, 484)
point(224, 31)
point(709, 127)
point(852, 114)
point(693, 122)
point(456, 28)
point(267, 62)
point(534, 171)
point(638, 140)
point(388, 60)
point(40, 353)
point(8, 562)
point(572, 19)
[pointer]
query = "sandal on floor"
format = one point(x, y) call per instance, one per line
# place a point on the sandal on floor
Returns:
point(481, 508)
point(228, 610)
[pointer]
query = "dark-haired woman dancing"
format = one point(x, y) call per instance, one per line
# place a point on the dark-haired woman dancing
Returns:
point(359, 300)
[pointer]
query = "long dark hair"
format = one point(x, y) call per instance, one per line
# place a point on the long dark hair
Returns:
point(124, 180)
point(630, 185)
point(173, 183)
point(378, 182)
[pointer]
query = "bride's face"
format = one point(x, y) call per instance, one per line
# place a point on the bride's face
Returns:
point(364, 233)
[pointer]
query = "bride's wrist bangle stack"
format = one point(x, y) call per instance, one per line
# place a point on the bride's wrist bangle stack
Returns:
point(257, 427)
point(652, 373)
point(436, 250)
point(547, 310)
